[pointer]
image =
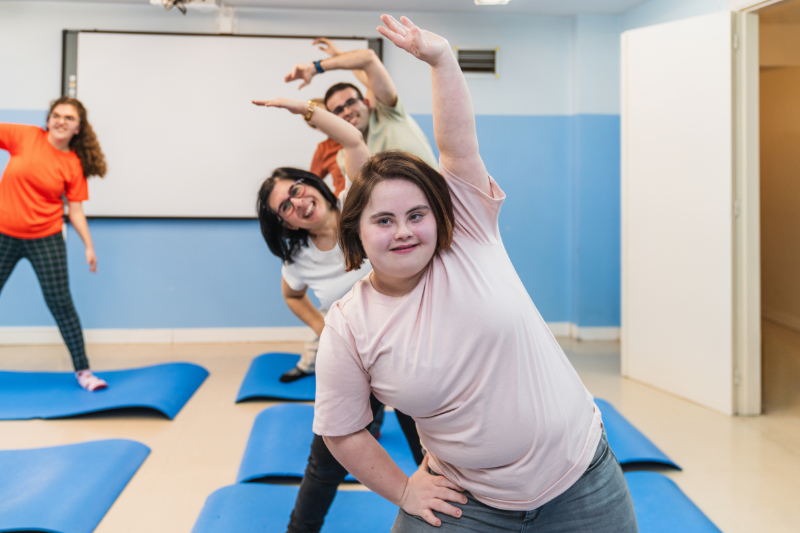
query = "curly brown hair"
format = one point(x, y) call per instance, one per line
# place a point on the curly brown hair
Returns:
point(85, 142)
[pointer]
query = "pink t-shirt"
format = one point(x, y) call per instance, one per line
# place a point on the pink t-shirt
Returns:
point(498, 406)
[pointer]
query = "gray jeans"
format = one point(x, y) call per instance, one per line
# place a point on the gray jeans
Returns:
point(599, 502)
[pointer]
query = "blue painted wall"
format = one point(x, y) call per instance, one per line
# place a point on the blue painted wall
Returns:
point(595, 235)
point(560, 225)
point(161, 274)
point(529, 156)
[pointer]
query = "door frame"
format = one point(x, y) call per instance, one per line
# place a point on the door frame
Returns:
point(747, 224)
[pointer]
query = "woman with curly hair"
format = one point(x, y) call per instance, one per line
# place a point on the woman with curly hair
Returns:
point(46, 165)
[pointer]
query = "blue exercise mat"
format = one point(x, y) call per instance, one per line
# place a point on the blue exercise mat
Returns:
point(165, 388)
point(280, 442)
point(65, 489)
point(628, 443)
point(253, 508)
point(661, 507)
point(261, 380)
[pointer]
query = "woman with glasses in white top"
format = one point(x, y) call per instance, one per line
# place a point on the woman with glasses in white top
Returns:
point(299, 218)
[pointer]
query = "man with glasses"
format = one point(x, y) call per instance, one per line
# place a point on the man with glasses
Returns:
point(384, 123)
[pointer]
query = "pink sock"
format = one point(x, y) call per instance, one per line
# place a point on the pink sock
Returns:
point(89, 381)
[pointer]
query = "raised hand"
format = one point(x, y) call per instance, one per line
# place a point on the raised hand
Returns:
point(298, 107)
point(422, 44)
point(301, 71)
point(426, 493)
point(327, 46)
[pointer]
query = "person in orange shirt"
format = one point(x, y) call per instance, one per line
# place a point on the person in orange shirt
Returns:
point(326, 158)
point(45, 166)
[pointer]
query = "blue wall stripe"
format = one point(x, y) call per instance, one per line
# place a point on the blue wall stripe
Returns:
point(596, 218)
point(218, 273)
point(37, 117)
point(162, 274)
point(529, 158)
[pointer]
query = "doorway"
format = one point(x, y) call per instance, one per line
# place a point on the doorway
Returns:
point(779, 125)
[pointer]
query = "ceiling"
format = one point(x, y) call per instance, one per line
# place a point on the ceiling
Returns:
point(531, 7)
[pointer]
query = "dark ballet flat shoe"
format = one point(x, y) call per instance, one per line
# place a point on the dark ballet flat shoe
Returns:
point(293, 375)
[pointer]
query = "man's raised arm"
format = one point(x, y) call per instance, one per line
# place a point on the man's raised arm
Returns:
point(380, 83)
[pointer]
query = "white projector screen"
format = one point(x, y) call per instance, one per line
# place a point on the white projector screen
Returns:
point(174, 118)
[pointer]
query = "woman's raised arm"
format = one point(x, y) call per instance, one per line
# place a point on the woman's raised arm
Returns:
point(453, 116)
point(344, 133)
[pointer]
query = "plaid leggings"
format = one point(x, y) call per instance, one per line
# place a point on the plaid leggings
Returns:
point(48, 256)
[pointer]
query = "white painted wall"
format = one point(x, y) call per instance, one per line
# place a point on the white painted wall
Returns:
point(658, 11)
point(595, 64)
point(548, 65)
point(534, 59)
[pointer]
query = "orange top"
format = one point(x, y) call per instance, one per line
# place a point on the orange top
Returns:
point(324, 162)
point(36, 178)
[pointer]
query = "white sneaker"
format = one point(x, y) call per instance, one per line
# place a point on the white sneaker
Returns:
point(89, 381)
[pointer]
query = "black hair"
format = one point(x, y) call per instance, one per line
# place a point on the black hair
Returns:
point(282, 241)
point(341, 87)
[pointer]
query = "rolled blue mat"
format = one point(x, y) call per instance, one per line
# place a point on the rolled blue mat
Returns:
point(261, 380)
point(253, 508)
point(65, 489)
point(628, 443)
point(165, 388)
point(661, 507)
point(280, 442)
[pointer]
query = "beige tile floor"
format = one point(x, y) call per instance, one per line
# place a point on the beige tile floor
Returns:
point(744, 473)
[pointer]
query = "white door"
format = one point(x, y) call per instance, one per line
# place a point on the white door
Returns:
point(677, 208)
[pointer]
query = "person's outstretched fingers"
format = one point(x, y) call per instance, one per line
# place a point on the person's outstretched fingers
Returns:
point(395, 25)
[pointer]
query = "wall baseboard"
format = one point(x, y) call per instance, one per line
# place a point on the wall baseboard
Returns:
point(51, 335)
point(32, 335)
point(582, 333)
point(559, 329)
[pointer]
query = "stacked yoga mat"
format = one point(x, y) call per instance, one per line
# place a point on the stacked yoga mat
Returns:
point(68, 489)
point(277, 450)
point(279, 444)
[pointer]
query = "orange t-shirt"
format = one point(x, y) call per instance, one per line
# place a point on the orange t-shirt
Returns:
point(324, 162)
point(36, 178)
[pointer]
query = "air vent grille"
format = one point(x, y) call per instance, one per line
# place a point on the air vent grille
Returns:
point(477, 60)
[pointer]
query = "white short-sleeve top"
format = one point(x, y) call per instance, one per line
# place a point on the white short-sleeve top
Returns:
point(323, 273)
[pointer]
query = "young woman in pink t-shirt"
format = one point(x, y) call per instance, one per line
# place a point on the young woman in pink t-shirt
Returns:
point(444, 330)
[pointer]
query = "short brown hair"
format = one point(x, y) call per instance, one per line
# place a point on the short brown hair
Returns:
point(388, 166)
point(340, 87)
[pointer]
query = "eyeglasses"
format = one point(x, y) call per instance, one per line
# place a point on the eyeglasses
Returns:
point(68, 118)
point(350, 103)
point(286, 208)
